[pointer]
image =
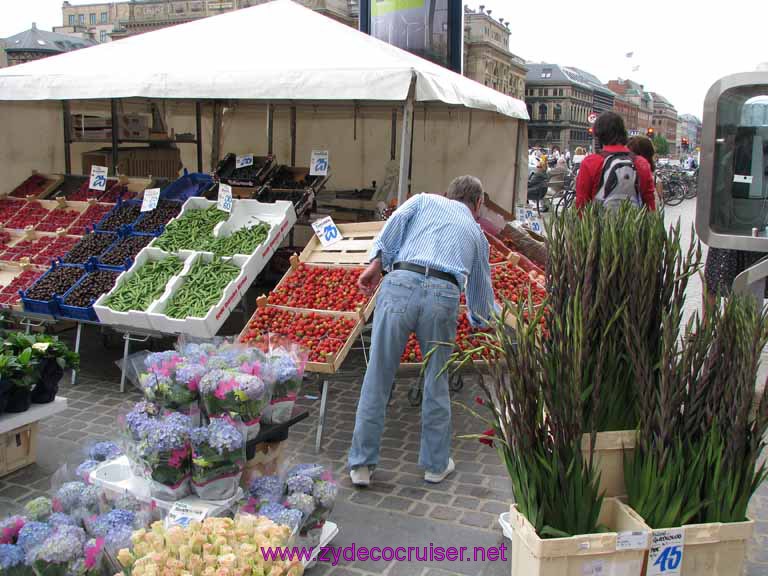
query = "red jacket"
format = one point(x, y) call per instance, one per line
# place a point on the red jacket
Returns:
point(588, 180)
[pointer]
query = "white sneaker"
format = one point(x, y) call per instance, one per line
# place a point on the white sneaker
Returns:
point(361, 476)
point(436, 478)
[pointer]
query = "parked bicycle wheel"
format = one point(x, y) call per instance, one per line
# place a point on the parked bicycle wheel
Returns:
point(673, 195)
point(691, 191)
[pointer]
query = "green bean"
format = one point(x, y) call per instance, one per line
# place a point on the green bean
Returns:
point(242, 241)
point(145, 285)
point(202, 289)
point(192, 231)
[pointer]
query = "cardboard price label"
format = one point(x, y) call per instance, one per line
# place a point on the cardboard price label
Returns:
point(318, 163)
point(666, 554)
point(243, 161)
point(42, 346)
point(98, 178)
point(326, 231)
point(225, 198)
point(151, 197)
point(632, 540)
point(182, 514)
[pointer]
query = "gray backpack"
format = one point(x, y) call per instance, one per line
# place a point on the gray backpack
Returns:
point(619, 181)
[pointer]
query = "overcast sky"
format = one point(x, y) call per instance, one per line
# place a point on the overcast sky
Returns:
point(681, 46)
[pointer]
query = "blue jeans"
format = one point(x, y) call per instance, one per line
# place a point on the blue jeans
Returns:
point(408, 302)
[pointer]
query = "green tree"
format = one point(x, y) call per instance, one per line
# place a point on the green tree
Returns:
point(661, 145)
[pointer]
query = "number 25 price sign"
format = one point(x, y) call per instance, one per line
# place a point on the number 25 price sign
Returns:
point(666, 555)
point(327, 232)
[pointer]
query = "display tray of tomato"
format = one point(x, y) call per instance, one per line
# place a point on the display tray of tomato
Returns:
point(327, 337)
point(466, 339)
point(318, 287)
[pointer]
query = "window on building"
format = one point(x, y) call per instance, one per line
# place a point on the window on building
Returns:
point(558, 111)
point(71, 19)
point(546, 72)
point(104, 17)
point(542, 111)
point(81, 19)
point(103, 36)
point(530, 111)
point(93, 19)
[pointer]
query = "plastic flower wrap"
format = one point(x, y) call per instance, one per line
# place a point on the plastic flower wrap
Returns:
point(166, 454)
point(300, 483)
point(58, 554)
point(171, 381)
point(83, 471)
point(38, 509)
point(77, 499)
point(90, 563)
point(304, 503)
point(218, 456)
point(9, 529)
point(13, 561)
point(134, 427)
point(322, 493)
point(287, 369)
point(103, 451)
point(198, 352)
point(227, 392)
point(215, 547)
point(267, 489)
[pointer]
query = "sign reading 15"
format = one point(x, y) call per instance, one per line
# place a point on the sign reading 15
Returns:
point(669, 559)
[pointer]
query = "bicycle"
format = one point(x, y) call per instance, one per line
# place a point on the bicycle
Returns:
point(673, 192)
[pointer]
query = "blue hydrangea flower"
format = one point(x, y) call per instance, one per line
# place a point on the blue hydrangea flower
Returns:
point(141, 419)
point(61, 519)
point(314, 471)
point(11, 556)
point(224, 436)
point(267, 488)
point(65, 545)
point(114, 519)
point(304, 503)
point(325, 493)
point(300, 483)
point(187, 373)
point(169, 434)
point(127, 501)
point(284, 368)
point(103, 451)
point(33, 535)
point(282, 515)
point(38, 509)
point(83, 471)
point(118, 538)
point(89, 499)
point(68, 496)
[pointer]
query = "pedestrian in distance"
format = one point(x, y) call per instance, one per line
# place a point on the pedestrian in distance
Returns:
point(643, 146)
point(434, 249)
point(615, 175)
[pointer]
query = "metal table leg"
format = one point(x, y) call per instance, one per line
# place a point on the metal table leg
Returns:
point(77, 350)
point(321, 416)
point(126, 349)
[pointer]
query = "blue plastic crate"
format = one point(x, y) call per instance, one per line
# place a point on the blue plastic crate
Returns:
point(189, 185)
point(100, 224)
point(78, 312)
point(46, 307)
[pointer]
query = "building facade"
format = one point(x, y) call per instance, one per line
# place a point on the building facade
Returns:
point(487, 58)
point(559, 101)
point(641, 101)
point(630, 112)
point(691, 128)
point(92, 21)
point(34, 44)
point(664, 119)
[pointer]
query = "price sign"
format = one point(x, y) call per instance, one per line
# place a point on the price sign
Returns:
point(318, 164)
point(225, 198)
point(536, 225)
point(666, 554)
point(151, 196)
point(327, 231)
point(182, 514)
point(98, 178)
point(243, 161)
point(42, 346)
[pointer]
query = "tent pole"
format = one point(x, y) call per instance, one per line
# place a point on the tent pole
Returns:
point(115, 131)
point(67, 137)
point(216, 140)
point(406, 143)
point(293, 135)
point(199, 130)
point(270, 128)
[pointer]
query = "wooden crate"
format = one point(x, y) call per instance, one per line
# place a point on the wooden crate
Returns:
point(18, 448)
point(334, 364)
point(353, 249)
point(364, 312)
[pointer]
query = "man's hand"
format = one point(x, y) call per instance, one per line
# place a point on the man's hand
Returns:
point(370, 278)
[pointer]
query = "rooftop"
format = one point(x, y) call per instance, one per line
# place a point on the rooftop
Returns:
point(36, 40)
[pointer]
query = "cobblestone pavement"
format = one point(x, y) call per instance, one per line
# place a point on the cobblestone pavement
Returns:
point(400, 509)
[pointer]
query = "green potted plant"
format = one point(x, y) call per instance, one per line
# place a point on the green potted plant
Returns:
point(620, 265)
point(23, 378)
point(697, 462)
point(54, 357)
point(8, 366)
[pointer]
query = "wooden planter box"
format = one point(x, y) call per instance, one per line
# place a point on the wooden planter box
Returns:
point(618, 552)
point(610, 449)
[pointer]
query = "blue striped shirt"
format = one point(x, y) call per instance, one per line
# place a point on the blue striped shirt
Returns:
point(442, 234)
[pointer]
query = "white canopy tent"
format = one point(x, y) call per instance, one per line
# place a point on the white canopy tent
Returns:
point(279, 52)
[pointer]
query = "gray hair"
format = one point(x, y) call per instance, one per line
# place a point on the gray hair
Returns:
point(466, 189)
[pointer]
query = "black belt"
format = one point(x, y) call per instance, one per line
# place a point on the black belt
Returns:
point(429, 272)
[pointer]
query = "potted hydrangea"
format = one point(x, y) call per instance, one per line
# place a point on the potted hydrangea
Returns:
point(39, 509)
point(312, 490)
point(13, 561)
point(218, 455)
point(227, 392)
point(134, 427)
point(166, 452)
point(287, 371)
point(171, 381)
point(59, 553)
point(77, 499)
point(10, 528)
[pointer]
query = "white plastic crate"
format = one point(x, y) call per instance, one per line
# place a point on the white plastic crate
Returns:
point(198, 327)
point(134, 318)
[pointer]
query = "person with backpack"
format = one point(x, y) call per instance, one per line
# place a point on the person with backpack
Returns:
point(615, 175)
